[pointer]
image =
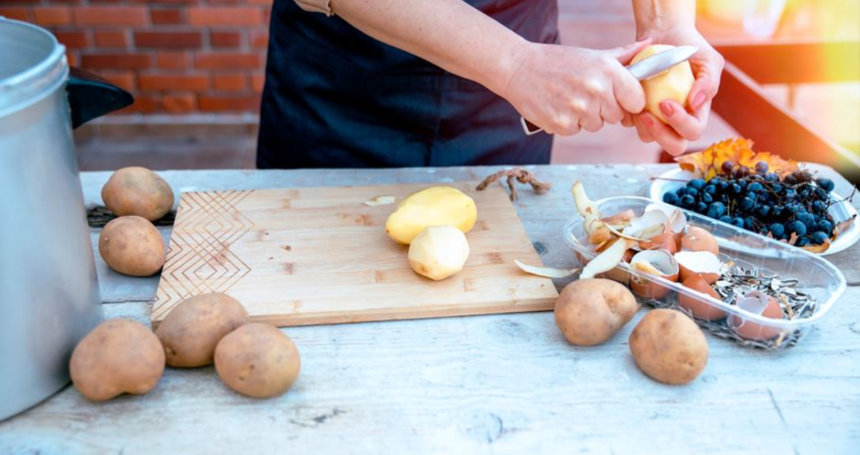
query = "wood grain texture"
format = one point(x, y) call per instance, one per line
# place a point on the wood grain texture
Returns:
point(321, 256)
point(495, 384)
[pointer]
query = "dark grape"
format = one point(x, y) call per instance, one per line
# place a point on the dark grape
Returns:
point(723, 185)
point(790, 179)
point(693, 192)
point(701, 207)
point(790, 193)
point(727, 167)
point(716, 210)
point(797, 227)
point(707, 198)
point(749, 223)
point(739, 222)
point(777, 211)
point(671, 198)
point(807, 219)
point(761, 167)
point(819, 237)
point(802, 242)
point(747, 204)
point(726, 219)
point(776, 188)
point(687, 201)
point(826, 184)
point(764, 211)
point(711, 189)
point(771, 177)
point(755, 187)
point(715, 181)
point(825, 226)
point(742, 183)
point(819, 206)
point(736, 188)
point(776, 229)
point(680, 192)
point(697, 184)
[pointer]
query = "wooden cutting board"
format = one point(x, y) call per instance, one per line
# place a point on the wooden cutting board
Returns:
point(321, 256)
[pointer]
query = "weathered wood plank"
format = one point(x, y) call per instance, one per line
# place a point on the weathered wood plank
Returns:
point(472, 385)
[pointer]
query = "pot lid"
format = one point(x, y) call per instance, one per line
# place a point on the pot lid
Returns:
point(32, 66)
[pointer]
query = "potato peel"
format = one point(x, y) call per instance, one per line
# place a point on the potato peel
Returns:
point(587, 208)
point(380, 200)
point(546, 272)
point(607, 260)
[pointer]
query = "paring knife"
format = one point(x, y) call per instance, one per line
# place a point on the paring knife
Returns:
point(644, 70)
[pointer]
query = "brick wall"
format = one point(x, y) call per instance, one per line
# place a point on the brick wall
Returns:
point(175, 56)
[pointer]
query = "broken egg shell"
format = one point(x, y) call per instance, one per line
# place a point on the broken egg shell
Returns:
point(648, 225)
point(653, 262)
point(664, 241)
point(698, 239)
point(703, 263)
point(757, 303)
point(620, 218)
point(700, 308)
point(677, 218)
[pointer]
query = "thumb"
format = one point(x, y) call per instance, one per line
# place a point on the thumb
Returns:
point(626, 53)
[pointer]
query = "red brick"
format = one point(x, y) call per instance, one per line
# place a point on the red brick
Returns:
point(51, 15)
point(166, 2)
point(23, 1)
point(167, 16)
point(179, 103)
point(259, 2)
point(197, 83)
point(230, 103)
point(116, 39)
point(122, 79)
point(110, 15)
point(173, 60)
point(14, 13)
point(168, 39)
point(225, 16)
point(65, 2)
point(228, 60)
point(73, 40)
point(257, 81)
point(225, 39)
point(235, 82)
point(143, 104)
point(258, 38)
point(117, 61)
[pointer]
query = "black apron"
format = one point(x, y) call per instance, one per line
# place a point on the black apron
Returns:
point(335, 97)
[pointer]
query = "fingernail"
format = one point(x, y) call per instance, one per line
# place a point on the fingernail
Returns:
point(698, 101)
point(647, 121)
point(667, 108)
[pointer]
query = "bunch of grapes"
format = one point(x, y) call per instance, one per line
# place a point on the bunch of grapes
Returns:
point(759, 201)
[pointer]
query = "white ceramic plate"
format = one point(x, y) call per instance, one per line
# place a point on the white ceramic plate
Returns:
point(667, 182)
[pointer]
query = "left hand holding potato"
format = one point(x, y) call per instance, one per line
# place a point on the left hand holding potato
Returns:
point(682, 125)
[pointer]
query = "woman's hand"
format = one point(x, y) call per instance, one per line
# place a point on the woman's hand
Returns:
point(683, 125)
point(564, 89)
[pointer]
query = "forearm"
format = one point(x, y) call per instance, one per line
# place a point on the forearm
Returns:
point(654, 15)
point(449, 33)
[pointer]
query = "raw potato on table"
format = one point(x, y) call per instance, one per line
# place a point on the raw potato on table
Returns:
point(435, 206)
point(439, 252)
point(132, 246)
point(589, 311)
point(137, 191)
point(257, 360)
point(119, 356)
point(191, 331)
point(669, 347)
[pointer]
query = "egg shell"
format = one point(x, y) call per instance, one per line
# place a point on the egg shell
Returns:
point(664, 241)
point(644, 262)
point(700, 308)
point(702, 263)
point(754, 331)
point(698, 239)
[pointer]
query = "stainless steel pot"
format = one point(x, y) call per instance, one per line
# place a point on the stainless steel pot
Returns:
point(49, 297)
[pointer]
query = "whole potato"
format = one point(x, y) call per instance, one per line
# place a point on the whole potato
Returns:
point(137, 191)
point(119, 356)
point(590, 311)
point(257, 360)
point(191, 331)
point(669, 347)
point(133, 246)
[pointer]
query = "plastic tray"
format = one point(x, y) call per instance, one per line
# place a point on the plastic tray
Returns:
point(817, 277)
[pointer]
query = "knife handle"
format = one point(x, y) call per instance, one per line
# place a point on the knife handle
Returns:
point(529, 127)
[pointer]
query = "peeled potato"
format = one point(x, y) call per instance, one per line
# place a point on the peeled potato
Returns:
point(119, 356)
point(435, 206)
point(137, 191)
point(672, 84)
point(132, 246)
point(438, 252)
point(589, 311)
point(257, 360)
point(191, 331)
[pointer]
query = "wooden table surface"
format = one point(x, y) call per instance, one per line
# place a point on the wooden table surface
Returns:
point(471, 385)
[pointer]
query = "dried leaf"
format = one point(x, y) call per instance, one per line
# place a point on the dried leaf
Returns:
point(843, 226)
point(818, 248)
point(708, 163)
point(380, 200)
point(546, 272)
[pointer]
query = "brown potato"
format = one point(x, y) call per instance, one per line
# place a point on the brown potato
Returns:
point(132, 246)
point(137, 191)
point(119, 356)
point(257, 360)
point(191, 331)
point(590, 311)
point(669, 347)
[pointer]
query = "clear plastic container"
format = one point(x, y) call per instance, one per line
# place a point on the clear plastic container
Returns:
point(817, 277)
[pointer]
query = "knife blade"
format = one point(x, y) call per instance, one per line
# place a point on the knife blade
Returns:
point(642, 70)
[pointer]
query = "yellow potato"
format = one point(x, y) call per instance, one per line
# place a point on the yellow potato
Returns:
point(669, 347)
point(191, 331)
point(133, 246)
point(589, 311)
point(119, 356)
point(137, 191)
point(436, 206)
point(257, 360)
point(438, 252)
point(672, 84)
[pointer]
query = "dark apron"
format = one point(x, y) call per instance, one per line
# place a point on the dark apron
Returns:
point(335, 97)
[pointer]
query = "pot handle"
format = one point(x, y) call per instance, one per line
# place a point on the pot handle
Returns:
point(91, 96)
